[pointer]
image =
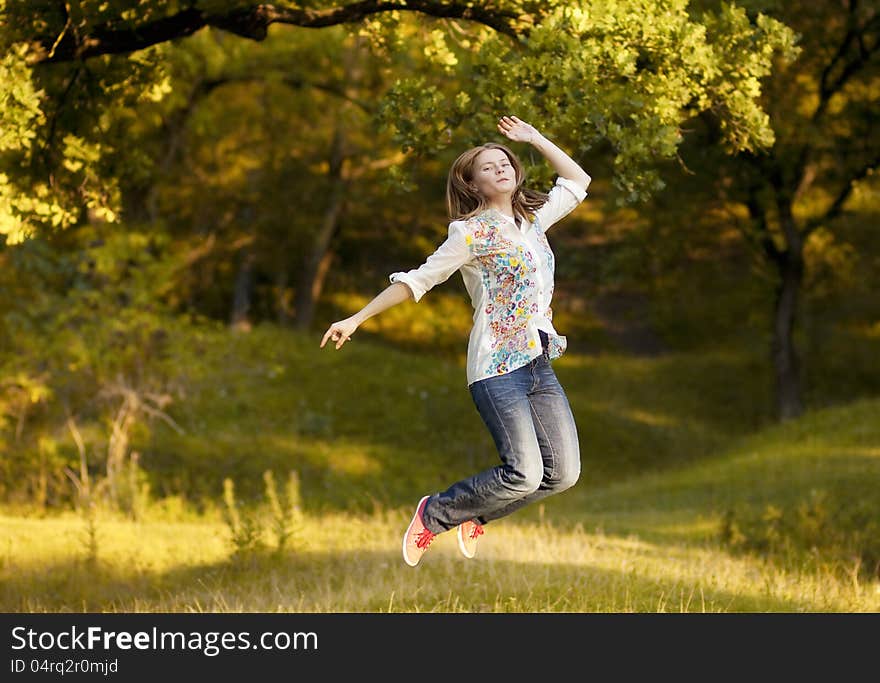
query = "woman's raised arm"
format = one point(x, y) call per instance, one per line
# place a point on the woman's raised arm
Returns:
point(564, 165)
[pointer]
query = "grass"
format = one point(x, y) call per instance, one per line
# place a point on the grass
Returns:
point(691, 499)
point(372, 424)
point(351, 563)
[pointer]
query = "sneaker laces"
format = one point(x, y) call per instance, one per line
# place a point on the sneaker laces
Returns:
point(477, 530)
point(423, 540)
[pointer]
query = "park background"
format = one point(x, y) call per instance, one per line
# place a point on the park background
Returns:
point(191, 192)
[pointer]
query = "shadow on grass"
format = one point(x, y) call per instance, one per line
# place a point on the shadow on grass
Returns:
point(372, 582)
point(373, 427)
point(410, 426)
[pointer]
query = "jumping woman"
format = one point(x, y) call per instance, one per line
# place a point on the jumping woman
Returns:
point(497, 240)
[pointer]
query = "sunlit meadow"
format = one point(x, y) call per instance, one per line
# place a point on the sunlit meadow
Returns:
point(689, 501)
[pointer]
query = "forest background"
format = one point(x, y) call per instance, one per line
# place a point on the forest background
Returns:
point(191, 192)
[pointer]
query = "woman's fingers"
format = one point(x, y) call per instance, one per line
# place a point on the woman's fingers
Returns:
point(326, 337)
point(336, 334)
point(513, 127)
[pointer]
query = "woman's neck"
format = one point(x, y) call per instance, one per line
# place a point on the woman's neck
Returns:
point(504, 207)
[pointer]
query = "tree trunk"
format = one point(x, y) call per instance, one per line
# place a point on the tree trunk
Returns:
point(317, 262)
point(786, 365)
point(241, 296)
point(282, 300)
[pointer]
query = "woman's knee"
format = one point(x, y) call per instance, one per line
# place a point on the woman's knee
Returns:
point(565, 478)
point(523, 480)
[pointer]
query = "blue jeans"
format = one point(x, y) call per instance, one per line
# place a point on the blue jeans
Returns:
point(528, 415)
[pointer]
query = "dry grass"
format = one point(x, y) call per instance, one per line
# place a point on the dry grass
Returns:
point(351, 563)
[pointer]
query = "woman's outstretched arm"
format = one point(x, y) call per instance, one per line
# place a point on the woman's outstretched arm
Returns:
point(341, 331)
point(564, 165)
point(412, 285)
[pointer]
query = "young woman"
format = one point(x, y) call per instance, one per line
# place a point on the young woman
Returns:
point(497, 240)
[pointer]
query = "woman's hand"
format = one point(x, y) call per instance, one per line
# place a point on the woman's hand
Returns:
point(564, 165)
point(340, 332)
point(516, 130)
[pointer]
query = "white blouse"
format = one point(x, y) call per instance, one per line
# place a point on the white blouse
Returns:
point(508, 272)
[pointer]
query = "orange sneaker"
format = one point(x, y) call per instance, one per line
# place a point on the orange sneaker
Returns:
point(468, 533)
point(417, 537)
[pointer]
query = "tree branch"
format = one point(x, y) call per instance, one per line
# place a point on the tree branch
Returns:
point(837, 205)
point(252, 21)
point(761, 237)
point(853, 53)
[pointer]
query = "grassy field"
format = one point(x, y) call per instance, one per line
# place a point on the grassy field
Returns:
point(351, 563)
point(691, 498)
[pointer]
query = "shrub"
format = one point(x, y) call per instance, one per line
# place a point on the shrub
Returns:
point(841, 534)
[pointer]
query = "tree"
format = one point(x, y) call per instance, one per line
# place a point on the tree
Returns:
point(620, 72)
point(822, 108)
point(259, 148)
point(616, 79)
point(825, 147)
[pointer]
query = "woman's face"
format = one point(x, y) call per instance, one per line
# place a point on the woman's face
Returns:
point(494, 175)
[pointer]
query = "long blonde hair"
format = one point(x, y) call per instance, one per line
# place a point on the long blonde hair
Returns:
point(463, 202)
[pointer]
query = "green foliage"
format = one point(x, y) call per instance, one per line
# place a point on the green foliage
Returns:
point(245, 530)
point(744, 51)
point(286, 510)
point(84, 342)
point(19, 102)
point(250, 524)
point(65, 144)
point(625, 73)
point(21, 117)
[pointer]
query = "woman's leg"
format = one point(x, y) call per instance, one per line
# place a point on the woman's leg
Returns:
point(504, 404)
point(529, 417)
point(557, 438)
